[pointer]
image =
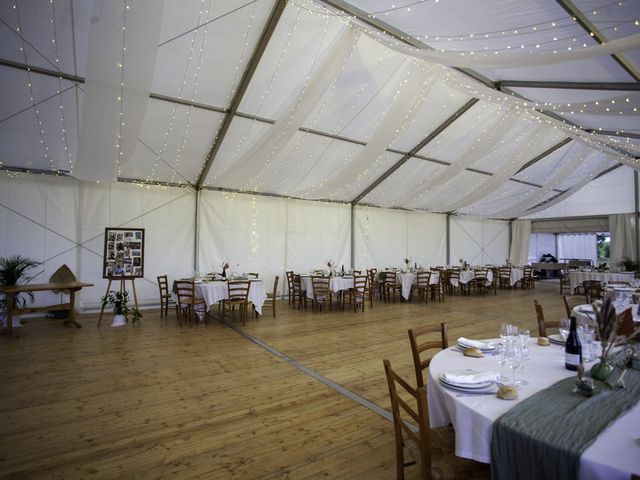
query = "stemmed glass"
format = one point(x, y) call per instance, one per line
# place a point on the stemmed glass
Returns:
point(513, 356)
point(587, 336)
point(507, 330)
point(565, 326)
point(524, 335)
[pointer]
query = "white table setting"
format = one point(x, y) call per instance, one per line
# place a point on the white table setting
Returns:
point(462, 391)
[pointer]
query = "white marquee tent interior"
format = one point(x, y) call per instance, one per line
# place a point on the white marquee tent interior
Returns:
point(277, 135)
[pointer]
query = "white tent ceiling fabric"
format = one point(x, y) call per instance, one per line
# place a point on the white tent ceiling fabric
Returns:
point(333, 105)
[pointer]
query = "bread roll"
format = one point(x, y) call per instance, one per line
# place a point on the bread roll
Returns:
point(505, 392)
point(472, 352)
point(543, 341)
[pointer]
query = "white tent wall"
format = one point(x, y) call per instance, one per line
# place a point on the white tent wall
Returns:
point(479, 242)
point(60, 221)
point(385, 237)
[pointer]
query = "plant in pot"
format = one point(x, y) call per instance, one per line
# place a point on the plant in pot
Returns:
point(13, 270)
point(118, 300)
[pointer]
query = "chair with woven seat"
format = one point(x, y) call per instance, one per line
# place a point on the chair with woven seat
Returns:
point(321, 293)
point(357, 295)
point(494, 280)
point(437, 287)
point(270, 301)
point(572, 301)
point(290, 285)
point(390, 286)
point(298, 295)
point(165, 296)
point(592, 290)
point(564, 281)
point(504, 277)
point(479, 283)
point(432, 338)
point(188, 306)
point(453, 281)
point(527, 282)
point(542, 323)
point(421, 288)
point(433, 450)
point(237, 296)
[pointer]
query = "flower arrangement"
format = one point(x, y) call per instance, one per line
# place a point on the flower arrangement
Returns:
point(603, 267)
point(464, 264)
point(614, 330)
point(331, 264)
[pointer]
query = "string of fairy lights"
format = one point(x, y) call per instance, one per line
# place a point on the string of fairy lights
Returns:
point(120, 98)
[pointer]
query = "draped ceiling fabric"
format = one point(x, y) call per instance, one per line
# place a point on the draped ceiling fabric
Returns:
point(319, 104)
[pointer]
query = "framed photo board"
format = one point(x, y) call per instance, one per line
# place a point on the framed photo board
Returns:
point(123, 252)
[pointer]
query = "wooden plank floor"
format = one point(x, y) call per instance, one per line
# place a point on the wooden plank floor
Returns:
point(159, 401)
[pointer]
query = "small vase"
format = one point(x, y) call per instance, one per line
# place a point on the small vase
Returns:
point(601, 370)
point(119, 321)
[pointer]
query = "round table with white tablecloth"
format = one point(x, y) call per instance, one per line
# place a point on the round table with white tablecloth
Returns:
point(336, 284)
point(612, 456)
point(214, 292)
point(408, 280)
point(576, 277)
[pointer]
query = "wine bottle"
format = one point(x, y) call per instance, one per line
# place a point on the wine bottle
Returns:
point(343, 270)
point(572, 348)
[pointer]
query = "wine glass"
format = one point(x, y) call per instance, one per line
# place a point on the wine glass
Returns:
point(587, 336)
point(565, 326)
point(507, 330)
point(513, 356)
point(524, 335)
point(501, 361)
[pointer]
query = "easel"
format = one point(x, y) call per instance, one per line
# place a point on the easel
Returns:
point(122, 279)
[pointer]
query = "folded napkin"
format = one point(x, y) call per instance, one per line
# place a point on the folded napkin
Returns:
point(471, 377)
point(471, 343)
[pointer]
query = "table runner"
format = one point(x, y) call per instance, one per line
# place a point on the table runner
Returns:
point(545, 435)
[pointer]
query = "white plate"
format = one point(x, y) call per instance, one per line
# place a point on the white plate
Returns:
point(586, 309)
point(556, 338)
point(484, 348)
point(485, 388)
point(471, 386)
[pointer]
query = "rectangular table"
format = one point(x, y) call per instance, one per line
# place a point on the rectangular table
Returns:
point(12, 292)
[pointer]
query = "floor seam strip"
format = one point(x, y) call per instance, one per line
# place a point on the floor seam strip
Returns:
point(312, 373)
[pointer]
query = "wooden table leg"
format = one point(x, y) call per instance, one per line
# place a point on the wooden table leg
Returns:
point(72, 311)
point(102, 309)
point(10, 298)
point(135, 296)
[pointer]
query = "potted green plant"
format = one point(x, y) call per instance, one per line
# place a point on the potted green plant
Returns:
point(13, 270)
point(118, 300)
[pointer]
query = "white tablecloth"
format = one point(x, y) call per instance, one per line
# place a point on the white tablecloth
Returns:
point(335, 284)
point(612, 456)
point(467, 275)
point(576, 278)
point(213, 292)
point(407, 280)
point(517, 273)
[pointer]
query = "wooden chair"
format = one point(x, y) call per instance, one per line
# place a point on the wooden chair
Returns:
point(479, 283)
point(542, 324)
point(572, 301)
point(432, 449)
point(391, 286)
point(237, 296)
point(374, 285)
point(504, 277)
point(564, 281)
point(494, 280)
point(357, 295)
point(271, 297)
point(187, 305)
point(298, 294)
point(290, 285)
point(253, 275)
point(421, 287)
point(436, 289)
point(421, 360)
point(528, 282)
point(165, 296)
point(592, 290)
point(321, 293)
point(453, 281)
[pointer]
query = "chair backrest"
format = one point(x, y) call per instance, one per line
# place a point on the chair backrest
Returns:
point(357, 272)
point(405, 414)
point(423, 279)
point(185, 291)
point(290, 281)
point(423, 348)
point(504, 273)
point(163, 285)
point(296, 285)
point(481, 273)
point(320, 286)
point(360, 284)
point(527, 271)
point(238, 290)
point(275, 286)
point(572, 301)
point(592, 289)
point(542, 324)
point(389, 279)
point(453, 274)
point(253, 275)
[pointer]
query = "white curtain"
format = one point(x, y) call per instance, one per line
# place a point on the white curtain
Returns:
point(622, 229)
point(478, 241)
point(520, 232)
point(581, 246)
point(541, 244)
